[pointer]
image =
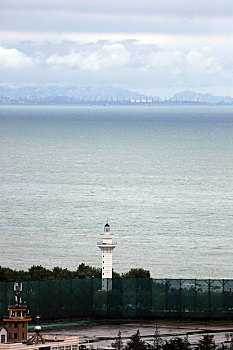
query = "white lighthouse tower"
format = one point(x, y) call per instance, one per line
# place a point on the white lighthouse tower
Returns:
point(106, 246)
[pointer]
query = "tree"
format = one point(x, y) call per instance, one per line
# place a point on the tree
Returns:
point(136, 343)
point(7, 274)
point(118, 344)
point(85, 271)
point(177, 344)
point(115, 274)
point(39, 273)
point(207, 343)
point(63, 274)
point(136, 273)
point(157, 340)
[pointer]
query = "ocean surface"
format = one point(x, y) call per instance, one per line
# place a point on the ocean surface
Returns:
point(161, 176)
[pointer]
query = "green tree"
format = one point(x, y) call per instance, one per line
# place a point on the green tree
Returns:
point(157, 340)
point(7, 274)
point(206, 343)
point(63, 274)
point(39, 273)
point(115, 274)
point(118, 344)
point(85, 271)
point(136, 273)
point(231, 341)
point(177, 344)
point(136, 343)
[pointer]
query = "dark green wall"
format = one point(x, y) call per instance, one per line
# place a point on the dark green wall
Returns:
point(129, 298)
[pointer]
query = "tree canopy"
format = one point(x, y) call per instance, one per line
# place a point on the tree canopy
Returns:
point(40, 273)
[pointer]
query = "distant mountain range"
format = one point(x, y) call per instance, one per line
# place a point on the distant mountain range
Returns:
point(196, 96)
point(71, 93)
point(87, 92)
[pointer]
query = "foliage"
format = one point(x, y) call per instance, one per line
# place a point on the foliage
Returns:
point(40, 273)
point(207, 343)
point(176, 344)
point(85, 271)
point(118, 344)
point(157, 340)
point(137, 273)
point(136, 343)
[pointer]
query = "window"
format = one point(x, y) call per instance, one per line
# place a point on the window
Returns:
point(15, 335)
point(68, 347)
point(10, 325)
point(18, 313)
point(74, 347)
point(3, 338)
point(54, 348)
point(23, 335)
point(13, 313)
point(10, 336)
point(61, 348)
point(16, 325)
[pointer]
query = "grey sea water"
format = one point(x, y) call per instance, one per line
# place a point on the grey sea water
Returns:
point(161, 175)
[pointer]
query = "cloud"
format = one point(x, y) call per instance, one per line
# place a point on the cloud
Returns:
point(126, 63)
point(202, 62)
point(93, 58)
point(12, 58)
point(212, 17)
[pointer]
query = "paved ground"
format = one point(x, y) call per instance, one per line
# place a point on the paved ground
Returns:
point(103, 335)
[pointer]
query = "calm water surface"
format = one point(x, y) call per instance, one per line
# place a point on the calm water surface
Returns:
point(163, 176)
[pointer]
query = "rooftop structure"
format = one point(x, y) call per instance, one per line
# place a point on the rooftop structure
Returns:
point(18, 318)
point(51, 342)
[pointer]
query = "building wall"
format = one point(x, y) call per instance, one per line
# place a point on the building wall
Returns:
point(3, 335)
point(16, 331)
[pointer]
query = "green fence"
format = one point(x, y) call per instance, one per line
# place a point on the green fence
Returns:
point(126, 298)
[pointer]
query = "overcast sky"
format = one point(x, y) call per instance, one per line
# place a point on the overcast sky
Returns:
point(157, 47)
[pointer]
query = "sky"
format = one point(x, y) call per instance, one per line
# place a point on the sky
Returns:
point(157, 47)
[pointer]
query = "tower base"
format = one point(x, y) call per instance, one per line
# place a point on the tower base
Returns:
point(106, 284)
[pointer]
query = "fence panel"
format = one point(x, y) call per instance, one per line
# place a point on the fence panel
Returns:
point(3, 299)
point(188, 298)
point(81, 298)
point(124, 298)
point(66, 298)
point(173, 297)
point(158, 298)
point(100, 299)
point(228, 298)
point(129, 297)
point(115, 299)
point(31, 295)
point(144, 297)
point(217, 298)
point(203, 305)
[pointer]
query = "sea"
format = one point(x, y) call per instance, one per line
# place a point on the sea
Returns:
point(161, 176)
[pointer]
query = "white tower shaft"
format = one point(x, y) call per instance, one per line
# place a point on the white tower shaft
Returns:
point(106, 246)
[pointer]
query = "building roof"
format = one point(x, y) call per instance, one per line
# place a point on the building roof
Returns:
point(51, 341)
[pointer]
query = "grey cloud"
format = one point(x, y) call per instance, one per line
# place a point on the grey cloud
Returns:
point(129, 64)
point(158, 7)
point(150, 16)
